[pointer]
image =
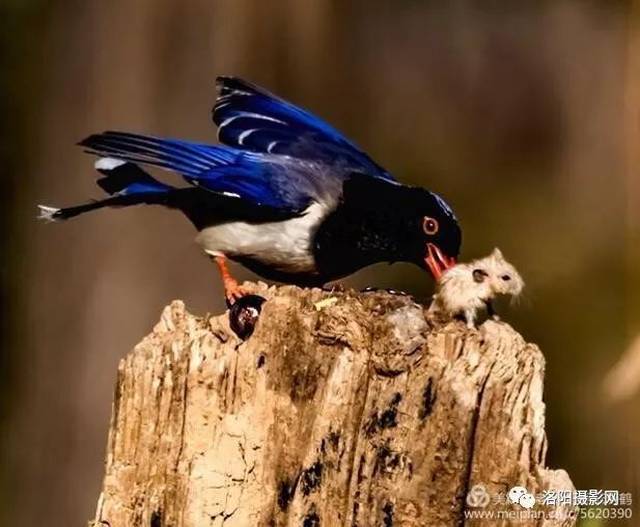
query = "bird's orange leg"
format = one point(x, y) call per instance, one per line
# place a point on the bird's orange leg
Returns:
point(232, 290)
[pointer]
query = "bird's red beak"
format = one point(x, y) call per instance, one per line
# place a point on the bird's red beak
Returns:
point(437, 261)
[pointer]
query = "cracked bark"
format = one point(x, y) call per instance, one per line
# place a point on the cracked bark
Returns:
point(355, 411)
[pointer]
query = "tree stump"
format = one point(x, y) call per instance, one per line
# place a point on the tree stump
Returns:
point(343, 408)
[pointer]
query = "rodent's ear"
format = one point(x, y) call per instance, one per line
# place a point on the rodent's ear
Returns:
point(497, 253)
point(479, 275)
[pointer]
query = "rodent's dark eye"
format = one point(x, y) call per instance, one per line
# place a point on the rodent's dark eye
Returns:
point(430, 226)
point(506, 277)
point(479, 275)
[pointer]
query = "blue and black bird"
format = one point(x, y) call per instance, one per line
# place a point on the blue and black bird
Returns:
point(285, 194)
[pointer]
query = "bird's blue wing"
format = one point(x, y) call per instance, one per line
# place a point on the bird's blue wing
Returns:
point(253, 177)
point(187, 158)
point(259, 182)
point(251, 118)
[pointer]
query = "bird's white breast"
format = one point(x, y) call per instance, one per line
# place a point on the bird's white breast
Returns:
point(284, 245)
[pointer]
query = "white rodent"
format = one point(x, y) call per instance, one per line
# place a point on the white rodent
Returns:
point(467, 287)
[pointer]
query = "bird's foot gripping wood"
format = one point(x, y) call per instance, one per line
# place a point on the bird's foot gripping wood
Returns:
point(244, 307)
point(233, 291)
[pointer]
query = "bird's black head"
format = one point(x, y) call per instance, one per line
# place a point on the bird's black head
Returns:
point(383, 221)
point(434, 233)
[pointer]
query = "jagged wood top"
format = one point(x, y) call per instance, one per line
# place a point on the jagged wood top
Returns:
point(343, 408)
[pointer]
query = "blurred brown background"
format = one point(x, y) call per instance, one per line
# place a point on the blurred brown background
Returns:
point(523, 115)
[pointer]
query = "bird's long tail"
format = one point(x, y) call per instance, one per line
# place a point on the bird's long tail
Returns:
point(127, 185)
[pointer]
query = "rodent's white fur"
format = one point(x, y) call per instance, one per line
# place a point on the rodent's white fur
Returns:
point(459, 293)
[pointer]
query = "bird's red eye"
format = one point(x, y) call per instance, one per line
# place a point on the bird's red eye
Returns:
point(429, 225)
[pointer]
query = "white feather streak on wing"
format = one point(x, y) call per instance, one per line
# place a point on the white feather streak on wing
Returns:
point(237, 91)
point(250, 115)
point(284, 245)
point(245, 134)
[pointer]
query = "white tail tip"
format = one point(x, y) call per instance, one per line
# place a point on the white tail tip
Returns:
point(47, 213)
point(108, 163)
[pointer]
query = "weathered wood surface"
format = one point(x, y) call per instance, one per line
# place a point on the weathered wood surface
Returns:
point(341, 409)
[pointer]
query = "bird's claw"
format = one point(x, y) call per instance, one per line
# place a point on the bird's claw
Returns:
point(233, 291)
